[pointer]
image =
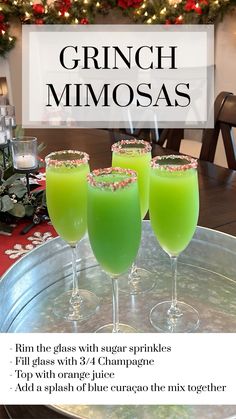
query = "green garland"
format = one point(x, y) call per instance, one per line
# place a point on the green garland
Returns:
point(85, 11)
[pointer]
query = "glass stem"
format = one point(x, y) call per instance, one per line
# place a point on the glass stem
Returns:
point(174, 312)
point(115, 305)
point(75, 297)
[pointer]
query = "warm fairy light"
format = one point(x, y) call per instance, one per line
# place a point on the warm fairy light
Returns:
point(149, 20)
point(98, 4)
point(163, 11)
point(143, 6)
point(180, 17)
point(3, 32)
point(31, 3)
point(15, 2)
point(154, 17)
point(67, 14)
point(10, 38)
point(59, 13)
point(216, 2)
point(0, 8)
point(27, 14)
point(84, 11)
point(197, 4)
point(85, 1)
point(76, 20)
point(146, 14)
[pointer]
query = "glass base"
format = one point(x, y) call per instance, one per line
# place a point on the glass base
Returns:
point(123, 328)
point(85, 308)
point(138, 281)
point(187, 319)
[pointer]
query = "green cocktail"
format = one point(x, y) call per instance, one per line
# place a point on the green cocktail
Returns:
point(66, 189)
point(114, 226)
point(136, 155)
point(173, 208)
point(114, 222)
point(66, 193)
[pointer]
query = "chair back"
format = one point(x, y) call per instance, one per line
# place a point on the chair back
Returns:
point(224, 121)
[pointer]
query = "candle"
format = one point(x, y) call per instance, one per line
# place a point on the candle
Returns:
point(3, 139)
point(26, 161)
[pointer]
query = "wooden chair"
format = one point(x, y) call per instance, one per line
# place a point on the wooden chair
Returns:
point(224, 120)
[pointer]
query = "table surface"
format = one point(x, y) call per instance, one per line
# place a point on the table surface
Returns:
point(217, 204)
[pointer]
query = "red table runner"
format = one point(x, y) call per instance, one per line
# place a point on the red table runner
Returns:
point(16, 245)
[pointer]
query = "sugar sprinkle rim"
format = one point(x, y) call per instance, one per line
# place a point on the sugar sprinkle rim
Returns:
point(192, 163)
point(120, 148)
point(112, 185)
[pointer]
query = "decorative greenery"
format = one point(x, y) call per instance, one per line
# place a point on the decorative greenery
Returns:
point(15, 202)
point(84, 11)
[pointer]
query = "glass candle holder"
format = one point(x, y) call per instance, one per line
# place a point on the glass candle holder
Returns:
point(3, 134)
point(12, 115)
point(24, 153)
point(3, 110)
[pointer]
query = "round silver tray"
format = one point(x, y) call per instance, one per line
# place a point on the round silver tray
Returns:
point(206, 280)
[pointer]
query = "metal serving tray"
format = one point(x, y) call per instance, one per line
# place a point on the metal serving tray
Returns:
point(206, 280)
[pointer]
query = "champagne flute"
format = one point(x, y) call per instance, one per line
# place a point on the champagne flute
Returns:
point(174, 208)
point(114, 227)
point(136, 155)
point(66, 192)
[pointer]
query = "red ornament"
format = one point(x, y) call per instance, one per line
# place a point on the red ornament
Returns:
point(189, 5)
point(167, 22)
point(38, 8)
point(197, 9)
point(179, 20)
point(39, 21)
point(62, 6)
point(125, 4)
point(84, 21)
point(2, 17)
point(3, 27)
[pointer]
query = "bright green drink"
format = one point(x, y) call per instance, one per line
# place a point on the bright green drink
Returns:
point(114, 221)
point(135, 155)
point(66, 192)
point(174, 207)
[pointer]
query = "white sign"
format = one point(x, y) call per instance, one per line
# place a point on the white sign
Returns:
point(118, 368)
point(115, 76)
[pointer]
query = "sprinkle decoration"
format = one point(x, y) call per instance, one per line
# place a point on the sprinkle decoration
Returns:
point(96, 176)
point(67, 158)
point(179, 163)
point(130, 146)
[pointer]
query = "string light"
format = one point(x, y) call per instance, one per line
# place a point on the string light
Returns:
point(163, 11)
